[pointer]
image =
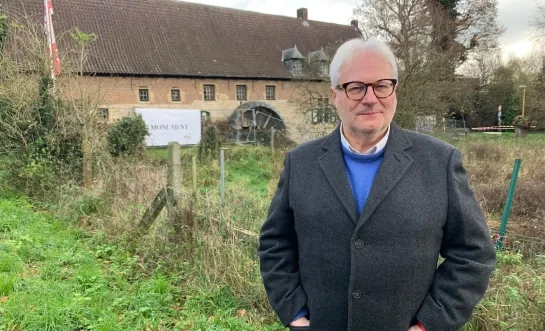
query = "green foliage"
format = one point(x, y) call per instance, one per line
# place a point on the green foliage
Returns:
point(128, 136)
point(46, 104)
point(4, 32)
point(511, 107)
point(502, 90)
point(81, 37)
point(521, 122)
point(40, 151)
point(515, 299)
point(210, 144)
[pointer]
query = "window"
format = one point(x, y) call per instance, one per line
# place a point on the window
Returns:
point(103, 113)
point(143, 94)
point(270, 92)
point(324, 68)
point(205, 116)
point(175, 95)
point(209, 92)
point(297, 67)
point(323, 112)
point(241, 92)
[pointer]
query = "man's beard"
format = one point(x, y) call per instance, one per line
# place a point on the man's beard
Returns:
point(368, 131)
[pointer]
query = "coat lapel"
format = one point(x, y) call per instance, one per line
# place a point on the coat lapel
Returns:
point(332, 164)
point(394, 165)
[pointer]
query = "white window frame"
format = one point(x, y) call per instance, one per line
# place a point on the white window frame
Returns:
point(242, 92)
point(209, 92)
point(172, 95)
point(270, 92)
point(141, 92)
point(297, 67)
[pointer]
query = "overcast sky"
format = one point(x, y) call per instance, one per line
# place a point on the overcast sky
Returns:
point(514, 15)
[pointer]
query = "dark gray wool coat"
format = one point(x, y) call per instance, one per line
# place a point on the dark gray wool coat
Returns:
point(376, 271)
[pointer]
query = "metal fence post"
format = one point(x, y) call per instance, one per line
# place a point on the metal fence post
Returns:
point(507, 209)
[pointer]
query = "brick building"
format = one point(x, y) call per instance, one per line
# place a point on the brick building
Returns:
point(177, 55)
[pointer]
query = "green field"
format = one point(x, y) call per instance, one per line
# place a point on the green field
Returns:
point(56, 277)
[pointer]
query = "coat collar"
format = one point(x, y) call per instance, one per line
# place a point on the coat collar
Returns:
point(393, 167)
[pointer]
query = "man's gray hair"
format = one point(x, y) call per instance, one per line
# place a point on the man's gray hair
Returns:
point(354, 47)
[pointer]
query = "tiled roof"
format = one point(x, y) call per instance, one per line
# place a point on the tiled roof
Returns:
point(318, 55)
point(175, 38)
point(291, 54)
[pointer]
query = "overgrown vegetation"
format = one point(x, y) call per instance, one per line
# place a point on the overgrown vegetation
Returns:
point(127, 136)
point(216, 268)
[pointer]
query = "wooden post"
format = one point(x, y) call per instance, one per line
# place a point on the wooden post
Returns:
point(152, 212)
point(174, 180)
point(87, 164)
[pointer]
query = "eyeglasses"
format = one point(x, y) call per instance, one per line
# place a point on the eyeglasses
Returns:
point(357, 90)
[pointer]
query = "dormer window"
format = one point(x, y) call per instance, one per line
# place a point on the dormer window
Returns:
point(320, 61)
point(297, 67)
point(324, 68)
point(293, 60)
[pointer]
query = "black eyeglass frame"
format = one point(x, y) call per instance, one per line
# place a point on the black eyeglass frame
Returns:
point(343, 87)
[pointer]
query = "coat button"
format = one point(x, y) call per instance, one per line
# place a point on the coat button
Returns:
point(356, 294)
point(358, 243)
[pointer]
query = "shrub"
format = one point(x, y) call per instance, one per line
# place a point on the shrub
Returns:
point(210, 144)
point(521, 122)
point(127, 136)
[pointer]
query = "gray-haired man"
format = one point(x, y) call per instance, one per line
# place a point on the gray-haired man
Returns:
point(360, 217)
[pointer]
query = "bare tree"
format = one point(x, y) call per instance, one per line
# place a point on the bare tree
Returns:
point(431, 39)
point(538, 21)
point(83, 94)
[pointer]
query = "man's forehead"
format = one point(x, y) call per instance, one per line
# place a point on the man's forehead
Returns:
point(367, 62)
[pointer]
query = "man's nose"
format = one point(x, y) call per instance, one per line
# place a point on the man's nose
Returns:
point(370, 97)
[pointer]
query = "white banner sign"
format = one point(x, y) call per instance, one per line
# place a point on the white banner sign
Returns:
point(166, 125)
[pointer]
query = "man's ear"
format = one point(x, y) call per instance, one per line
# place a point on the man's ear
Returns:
point(333, 96)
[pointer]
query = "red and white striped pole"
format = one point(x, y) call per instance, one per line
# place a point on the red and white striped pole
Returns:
point(55, 64)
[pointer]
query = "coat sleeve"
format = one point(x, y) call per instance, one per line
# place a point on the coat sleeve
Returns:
point(461, 280)
point(279, 256)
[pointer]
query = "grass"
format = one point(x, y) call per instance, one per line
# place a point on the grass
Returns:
point(57, 277)
point(515, 299)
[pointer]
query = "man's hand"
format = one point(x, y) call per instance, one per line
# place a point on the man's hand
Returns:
point(416, 328)
point(303, 321)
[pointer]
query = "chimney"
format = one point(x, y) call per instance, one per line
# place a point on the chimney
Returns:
point(302, 14)
point(354, 23)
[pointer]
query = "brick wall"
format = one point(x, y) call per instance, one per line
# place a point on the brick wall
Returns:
point(121, 95)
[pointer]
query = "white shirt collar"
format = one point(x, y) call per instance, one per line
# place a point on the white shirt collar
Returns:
point(374, 150)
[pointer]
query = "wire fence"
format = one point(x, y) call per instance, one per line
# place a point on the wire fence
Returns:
point(529, 247)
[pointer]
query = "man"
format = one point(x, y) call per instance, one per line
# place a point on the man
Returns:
point(361, 216)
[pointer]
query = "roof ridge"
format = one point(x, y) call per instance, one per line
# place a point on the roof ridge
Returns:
point(219, 8)
point(180, 38)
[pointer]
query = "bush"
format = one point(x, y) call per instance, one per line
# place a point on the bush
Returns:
point(210, 144)
point(127, 136)
point(522, 122)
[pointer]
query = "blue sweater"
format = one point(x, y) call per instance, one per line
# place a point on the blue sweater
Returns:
point(361, 171)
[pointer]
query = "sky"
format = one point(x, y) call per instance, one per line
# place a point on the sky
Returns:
point(513, 15)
